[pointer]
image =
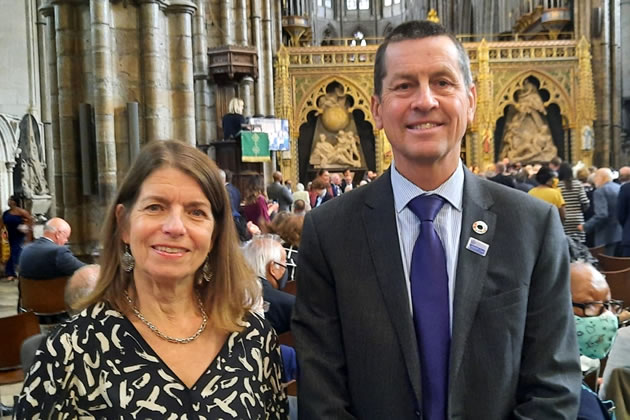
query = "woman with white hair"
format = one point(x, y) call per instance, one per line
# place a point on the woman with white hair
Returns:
point(300, 194)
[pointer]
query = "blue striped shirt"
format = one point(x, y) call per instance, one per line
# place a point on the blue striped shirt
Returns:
point(448, 223)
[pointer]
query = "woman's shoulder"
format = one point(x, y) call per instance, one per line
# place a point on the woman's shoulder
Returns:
point(98, 317)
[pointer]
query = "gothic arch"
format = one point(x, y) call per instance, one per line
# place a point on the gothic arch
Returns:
point(557, 94)
point(8, 139)
point(309, 103)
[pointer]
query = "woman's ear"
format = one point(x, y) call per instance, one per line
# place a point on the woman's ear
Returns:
point(122, 223)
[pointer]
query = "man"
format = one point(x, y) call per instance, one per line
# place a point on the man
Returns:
point(268, 259)
point(604, 224)
point(596, 323)
point(299, 207)
point(501, 177)
point(335, 185)
point(623, 210)
point(233, 192)
point(554, 163)
point(499, 309)
point(277, 192)
point(48, 257)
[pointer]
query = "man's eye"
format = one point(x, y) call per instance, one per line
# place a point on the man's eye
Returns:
point(443, 83)
point(153, 207)
point(402, 86)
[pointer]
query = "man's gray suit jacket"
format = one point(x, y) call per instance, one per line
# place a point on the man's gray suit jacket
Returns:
point(281, 194)
point(513, 348)
point(604, 222)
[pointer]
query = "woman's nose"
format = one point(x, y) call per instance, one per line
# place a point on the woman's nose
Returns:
point(174, 223)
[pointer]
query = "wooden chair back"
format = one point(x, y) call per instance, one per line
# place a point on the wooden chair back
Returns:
point(15, 329)
point(608, 263)
point(597, 251)
point(44, 297)
point(291, 287)
point(619, 283)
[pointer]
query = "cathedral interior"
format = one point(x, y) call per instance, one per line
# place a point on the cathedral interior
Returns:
point(85, 83)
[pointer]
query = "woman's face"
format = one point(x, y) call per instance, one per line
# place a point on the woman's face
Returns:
point(169, 228)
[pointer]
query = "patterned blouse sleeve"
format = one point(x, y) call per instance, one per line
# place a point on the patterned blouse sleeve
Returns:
point(277, 404)
point(48, 387)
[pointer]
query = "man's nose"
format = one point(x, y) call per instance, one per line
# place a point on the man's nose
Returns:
point(424, 98)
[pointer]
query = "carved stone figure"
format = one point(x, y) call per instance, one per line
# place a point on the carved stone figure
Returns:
point(527, 136)
point(344, 154)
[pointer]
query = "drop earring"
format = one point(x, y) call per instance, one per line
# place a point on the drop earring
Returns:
point(127, 261)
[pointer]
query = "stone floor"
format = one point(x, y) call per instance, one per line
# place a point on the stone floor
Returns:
point(8, 304)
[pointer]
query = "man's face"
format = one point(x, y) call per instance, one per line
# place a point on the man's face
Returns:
point(424, 106)
point(326, 177)
point(62, 236)
point(587, 285)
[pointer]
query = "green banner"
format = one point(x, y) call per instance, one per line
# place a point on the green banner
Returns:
point(254, 146)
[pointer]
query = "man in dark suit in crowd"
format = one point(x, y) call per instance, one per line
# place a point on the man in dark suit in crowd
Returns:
point(48, 257)
point(623, 210)
point(501, 177)
point(277, 192)
point(604, 224)
point(361, 338)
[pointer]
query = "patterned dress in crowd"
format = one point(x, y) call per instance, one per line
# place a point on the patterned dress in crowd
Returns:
point(575, 199)
point(97, 366)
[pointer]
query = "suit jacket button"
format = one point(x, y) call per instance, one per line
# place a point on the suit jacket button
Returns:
point(417, 413)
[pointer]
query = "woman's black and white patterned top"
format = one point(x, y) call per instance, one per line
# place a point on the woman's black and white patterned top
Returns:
point(98, 366)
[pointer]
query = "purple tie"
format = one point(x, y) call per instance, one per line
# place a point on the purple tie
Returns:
point(429, 295)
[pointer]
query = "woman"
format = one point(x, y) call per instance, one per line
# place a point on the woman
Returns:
point(168, 331)
point(576, 201)
point(545, 190)
point(256, 209)
point(17, 222)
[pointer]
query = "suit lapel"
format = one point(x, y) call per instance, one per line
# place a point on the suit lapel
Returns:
point(471, 267)
point(379, 219)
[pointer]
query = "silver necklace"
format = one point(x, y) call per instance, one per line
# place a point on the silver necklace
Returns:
point(163, 336)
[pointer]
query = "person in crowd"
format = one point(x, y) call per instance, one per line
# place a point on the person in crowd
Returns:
point(335, 184)
point(604, 223)
point(348, 177)
point(319, 193)
point(288, 226)
point(586, 178)
point(300, 194)
point(234, 120)
point(501, 176)
point(277, 192)
point(576, 202)
point(80, 285)
point(18, 223)
point(520, 181)
point(545, 190)
point(233, 192)
point(554, 163)
point(470, 323)
point(324, 176)
point(170, 316)
point(47, 257)
point(623, 211)
point(266, 256)
point(299, 207)
point(624, 175)
point(596, 324)
point(255, 208)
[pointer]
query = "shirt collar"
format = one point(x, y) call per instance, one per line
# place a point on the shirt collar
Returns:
point(404, 190)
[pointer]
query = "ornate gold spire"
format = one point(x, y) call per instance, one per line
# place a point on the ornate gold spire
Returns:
point(433, 16)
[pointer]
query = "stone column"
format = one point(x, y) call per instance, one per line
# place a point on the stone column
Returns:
point(32, 52)
point(200, 75)
point(101, 49)
point(69, 169)
point(10, 166)
point(267, 58)
point(227, 21)
point(182, 85)
point(245, 93)
point(259, 87)
point(154, 72)
point(45, 79)
point(602, 82)
point(616, 84)
point(241, 23)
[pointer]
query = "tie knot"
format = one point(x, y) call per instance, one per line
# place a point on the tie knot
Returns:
point(426, 207)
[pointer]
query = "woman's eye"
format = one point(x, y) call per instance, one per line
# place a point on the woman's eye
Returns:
point(198, 213)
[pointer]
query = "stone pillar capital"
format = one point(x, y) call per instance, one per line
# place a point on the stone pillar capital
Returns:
point(181, 6)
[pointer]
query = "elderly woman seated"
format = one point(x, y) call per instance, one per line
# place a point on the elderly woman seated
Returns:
point(168, 332)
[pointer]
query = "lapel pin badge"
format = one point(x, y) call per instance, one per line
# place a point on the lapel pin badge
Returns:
point(477, 246)
point(480, 227)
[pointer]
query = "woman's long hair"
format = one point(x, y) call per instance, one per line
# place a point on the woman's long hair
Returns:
point(233, 288)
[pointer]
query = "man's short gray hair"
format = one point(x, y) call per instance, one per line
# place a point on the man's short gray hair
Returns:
point(261, 250)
